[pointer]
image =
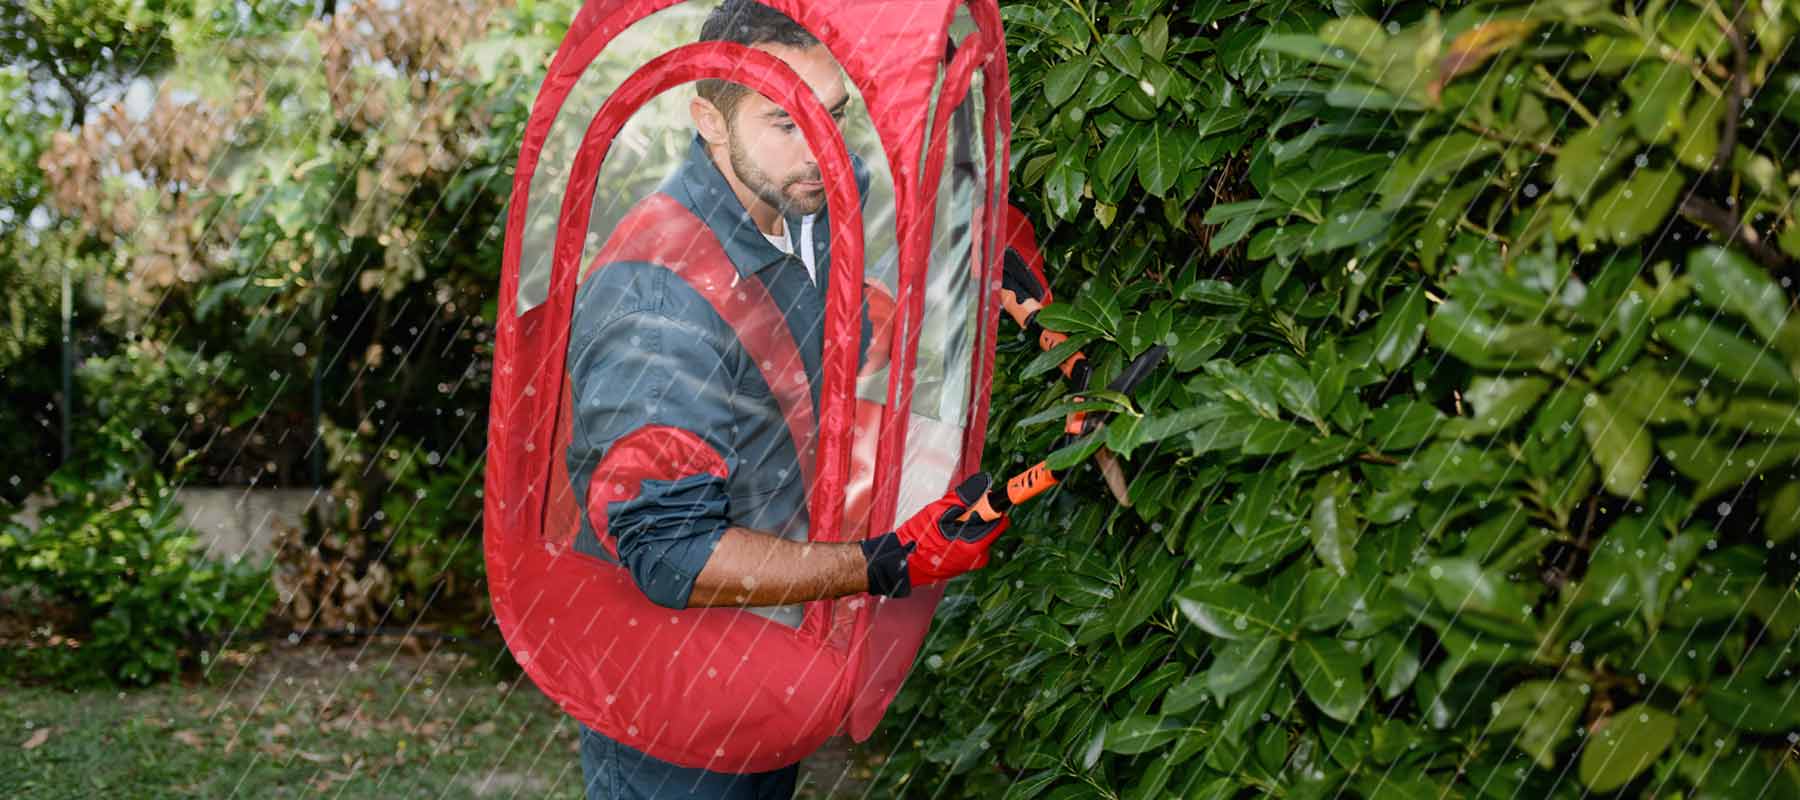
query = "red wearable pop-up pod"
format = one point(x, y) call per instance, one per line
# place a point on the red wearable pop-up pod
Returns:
point(894, 415)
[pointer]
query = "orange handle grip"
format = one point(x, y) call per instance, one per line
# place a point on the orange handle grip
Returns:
point(1030, 483)
point(1021, 312)
point(1022, 487)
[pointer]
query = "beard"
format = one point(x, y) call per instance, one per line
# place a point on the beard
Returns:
point(781, 194)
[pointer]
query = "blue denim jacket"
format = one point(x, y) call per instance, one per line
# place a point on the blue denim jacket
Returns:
point(646, 351)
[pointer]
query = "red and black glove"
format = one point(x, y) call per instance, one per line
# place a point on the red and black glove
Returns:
point(933, 545)
point(1023, 265)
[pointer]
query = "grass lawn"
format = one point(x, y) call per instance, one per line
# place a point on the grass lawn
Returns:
point(379, 719)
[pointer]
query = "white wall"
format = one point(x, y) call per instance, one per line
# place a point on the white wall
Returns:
point(230, 522)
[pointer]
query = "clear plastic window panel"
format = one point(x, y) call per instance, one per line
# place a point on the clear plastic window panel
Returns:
point(645, 155)
point(949, 332)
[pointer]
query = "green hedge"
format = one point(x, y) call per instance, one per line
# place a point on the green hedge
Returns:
point(1472, 471)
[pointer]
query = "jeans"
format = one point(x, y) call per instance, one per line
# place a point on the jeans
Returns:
point(614, 771)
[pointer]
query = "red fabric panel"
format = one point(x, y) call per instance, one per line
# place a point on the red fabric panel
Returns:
point(650, 453)
point(717, 688)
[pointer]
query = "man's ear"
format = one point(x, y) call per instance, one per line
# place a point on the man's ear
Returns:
point(709, 120)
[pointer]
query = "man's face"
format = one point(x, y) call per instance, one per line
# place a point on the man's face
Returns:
point(768, 151)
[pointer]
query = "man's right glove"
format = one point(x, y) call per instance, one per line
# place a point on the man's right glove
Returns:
point(933, 545)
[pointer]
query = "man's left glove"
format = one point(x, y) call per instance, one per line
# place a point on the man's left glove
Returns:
point(933, 545)
point(1022, 271)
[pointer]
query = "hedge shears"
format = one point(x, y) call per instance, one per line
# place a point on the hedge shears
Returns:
point(1024, 292)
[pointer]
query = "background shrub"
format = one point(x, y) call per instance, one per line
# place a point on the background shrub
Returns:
point(110, 586)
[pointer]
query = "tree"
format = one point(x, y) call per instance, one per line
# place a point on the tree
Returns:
point(322, 239)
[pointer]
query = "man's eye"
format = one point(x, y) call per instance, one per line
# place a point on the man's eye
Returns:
point(786, 127)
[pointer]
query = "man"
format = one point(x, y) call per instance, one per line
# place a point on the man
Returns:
point(668, 392)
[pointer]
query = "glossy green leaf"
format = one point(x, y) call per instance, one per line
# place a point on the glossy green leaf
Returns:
point(1155, 37)
point(1165, 156)
point(1216, 292)
point(1461, 586)
point(1592, 155)
point(1330, 675)
point(1121, 669)
point(1447, 465)
point(1396, 663)
point(1229, 611)
point(1725, 279)
point(1659, 92)
point(1043, 632)
point(1433, 161)
point(1402, 424)
point(1333, 528)
point(1631, 318)
point(1625, 745)
point(1220, 120)
point(1238, 664)
point(1717, 466)
point(1063, 79)
point(1780, 505)
point(1544, 712)
point(1746, 703)
point(1187, 695)
point(1346, 228)
point(1698, 145)
point(1399, 330)
point(1327, 599)
point(1761, 418)
point(1636, 206)
point(1150, 593)
point(1497, 404)
point(1113, 167)
point(1338, 169)
point(1125, 52)
point(1481, 341)
point(1063, 187)
point(1712, 346)
point(1619, 442)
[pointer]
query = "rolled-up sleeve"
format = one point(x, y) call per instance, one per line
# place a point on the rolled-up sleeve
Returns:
point(650, 448)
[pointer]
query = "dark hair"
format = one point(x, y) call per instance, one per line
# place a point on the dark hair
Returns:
point(748, 23)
